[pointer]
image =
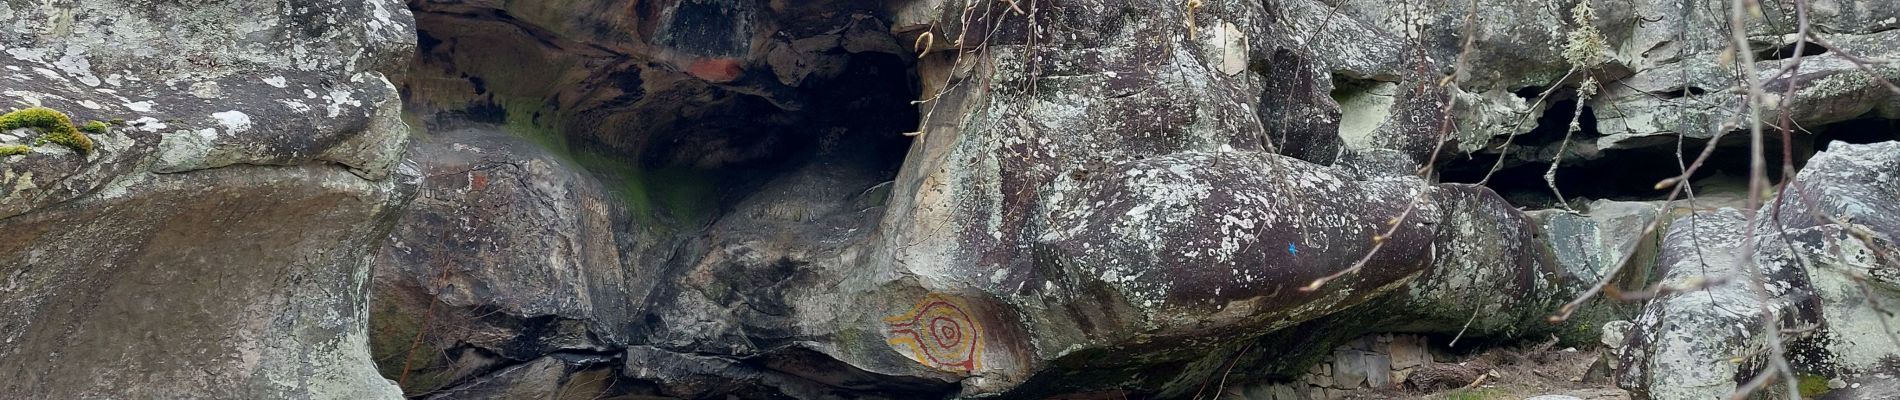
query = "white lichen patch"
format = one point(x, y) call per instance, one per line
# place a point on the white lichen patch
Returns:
point(185, 150)
point(233, 121)
point(149, 124)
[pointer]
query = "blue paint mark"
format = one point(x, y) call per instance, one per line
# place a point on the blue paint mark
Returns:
point(1291, 249)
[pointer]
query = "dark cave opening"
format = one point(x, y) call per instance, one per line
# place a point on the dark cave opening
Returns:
point(852, 123)
point(1587, 172)
point(1554, 124)
point(1682, 92)
point(1787, 51)
point(676, 150)
point(1627, 175)
point(1866, 129)
point(1632, 174)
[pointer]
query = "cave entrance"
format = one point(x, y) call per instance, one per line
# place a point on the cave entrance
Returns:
point(676, 149)
point(1632, 174)
point(1870, 128)
point(792, 143)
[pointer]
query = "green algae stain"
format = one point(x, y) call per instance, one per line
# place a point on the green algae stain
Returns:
point(669, 199)
point(392, 342)
point(1811, 386)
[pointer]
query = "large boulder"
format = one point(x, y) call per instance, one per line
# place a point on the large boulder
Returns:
point(508, 254)
point(214, 242)
point(1822, 252)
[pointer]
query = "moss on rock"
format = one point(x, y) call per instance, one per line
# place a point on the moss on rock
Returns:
point(14, 149)
point(41, 118)
point(94, 127)
point(1811, 386)
point(53, 125)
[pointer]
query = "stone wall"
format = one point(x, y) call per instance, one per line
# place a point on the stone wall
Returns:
point(1380, 361)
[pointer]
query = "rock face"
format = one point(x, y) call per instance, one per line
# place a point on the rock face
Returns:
point(923, 199)
point(517, 246)
point(214, 244)
point(997, 258)
point(1821, 246)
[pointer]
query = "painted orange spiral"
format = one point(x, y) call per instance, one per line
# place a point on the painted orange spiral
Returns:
point(938, 332)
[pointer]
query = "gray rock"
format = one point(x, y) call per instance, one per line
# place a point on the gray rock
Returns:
point(553, 377)
point(508, 249)
point(217, 245)
point(1378, 370)
point(1350, 369)
point(1683, 343)
point(1409, 351)
point(267, 304)
point(1595, 242)
point(1810, 256)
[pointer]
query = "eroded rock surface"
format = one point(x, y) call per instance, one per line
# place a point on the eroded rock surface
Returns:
point(215, 244)
point(921, 198)
point(1103, 197)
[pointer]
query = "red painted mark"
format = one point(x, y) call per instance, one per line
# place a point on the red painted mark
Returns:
point(477, 182)
point(715, 69)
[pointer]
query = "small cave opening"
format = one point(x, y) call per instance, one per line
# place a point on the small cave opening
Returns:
point(1519, 174)
point(1625, 175)
point(1788, 50)
point(1554, 124)
point(1681, 92)
point(849, 131)
point(1869, 128)
point(1632, 174)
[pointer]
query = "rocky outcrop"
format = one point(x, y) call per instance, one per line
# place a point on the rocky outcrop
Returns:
point(215, 241)
point(916, 199)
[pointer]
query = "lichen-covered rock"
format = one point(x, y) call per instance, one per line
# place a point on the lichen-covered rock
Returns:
point(1604, 233)
point(1080, 210)
point(216, 245)
point(1684, 344)
point(1193, 244)
point(1819, 247)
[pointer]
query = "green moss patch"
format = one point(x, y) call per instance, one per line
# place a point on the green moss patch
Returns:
point(53, 125)
point(14, 149)
point(1811, 386)
point(94, 127)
